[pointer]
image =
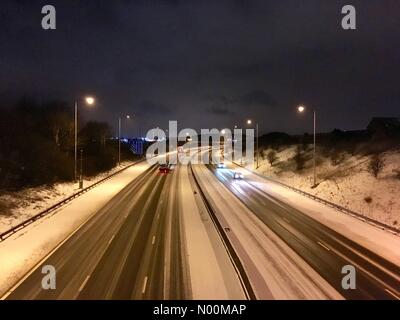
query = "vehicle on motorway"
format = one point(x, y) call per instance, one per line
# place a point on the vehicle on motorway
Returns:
point(237, 175)
point(221, 165)
point(164, 168)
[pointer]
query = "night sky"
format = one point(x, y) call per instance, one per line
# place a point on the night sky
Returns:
point(207, 63)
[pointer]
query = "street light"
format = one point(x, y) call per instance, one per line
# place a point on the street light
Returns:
point(119, 137)
point(89, 101)
point(81, 172)
point(249, 122)
point(302, 109)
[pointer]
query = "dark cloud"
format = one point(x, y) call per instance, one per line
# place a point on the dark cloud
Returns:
point(257, 98)
point(162, 58)
point(220, 111)
point(149, 107)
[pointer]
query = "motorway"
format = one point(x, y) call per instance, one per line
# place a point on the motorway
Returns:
point(321, 247)
point(135, 247)
point(121, 252)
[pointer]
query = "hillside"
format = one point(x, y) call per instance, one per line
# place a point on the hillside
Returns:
point(344, 179)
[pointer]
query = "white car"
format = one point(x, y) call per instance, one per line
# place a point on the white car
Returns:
point(221, 165)
point(237, 175)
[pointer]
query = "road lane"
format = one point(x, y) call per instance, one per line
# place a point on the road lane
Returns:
point(84, 248)
point(274, 270)
point(119, 253)
point(325, 250)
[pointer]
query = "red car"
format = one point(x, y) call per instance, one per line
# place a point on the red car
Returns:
point(164, 168)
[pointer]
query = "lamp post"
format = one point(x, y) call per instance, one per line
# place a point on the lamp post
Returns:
point(302, 109)
point(233, 142)
point(223, 131)
point(81, 172)
point(249, 122)
point(89, 101)
point(119, 137)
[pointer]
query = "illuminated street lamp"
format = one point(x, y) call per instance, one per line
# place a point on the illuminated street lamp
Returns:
point(250, 122)
point(89, 101)
point(119, 137)
point(302, 109)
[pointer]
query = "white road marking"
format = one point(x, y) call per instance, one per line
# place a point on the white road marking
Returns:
point(286, 219)
point(45, 258)
point(112, 238)
point(144, 285)
point(84, 283)
point(154, 240)
point(323, 245)
point(393, 294)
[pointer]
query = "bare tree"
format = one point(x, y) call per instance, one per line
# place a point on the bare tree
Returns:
point(299, 158)
point(376, 165)
point(272, 157)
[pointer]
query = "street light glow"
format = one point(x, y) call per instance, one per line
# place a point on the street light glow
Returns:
point(89, 100)
point(249, 121)
point(301, 108)
point(128, 116)
point(223, 131)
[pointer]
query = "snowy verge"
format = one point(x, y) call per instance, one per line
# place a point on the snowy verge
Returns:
point(25, 249)
point(348, 183)
point(22, 205)
point(376, 240)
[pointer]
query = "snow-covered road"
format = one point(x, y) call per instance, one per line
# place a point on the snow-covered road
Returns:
point(22, 251)
point(274, 270)
point(206, 236)
point(375, 239)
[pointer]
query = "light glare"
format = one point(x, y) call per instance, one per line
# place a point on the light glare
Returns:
point(90, 100)
point(301, 108)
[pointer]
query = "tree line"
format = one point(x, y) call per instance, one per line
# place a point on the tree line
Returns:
point(37, 145)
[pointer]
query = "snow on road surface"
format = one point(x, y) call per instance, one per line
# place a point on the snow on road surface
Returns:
point(376, 240)
point(349, 184)
point(23, 250)
point(211, 272)
point(274, 269)
point(21, 205)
